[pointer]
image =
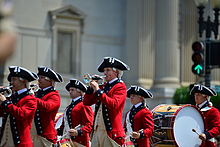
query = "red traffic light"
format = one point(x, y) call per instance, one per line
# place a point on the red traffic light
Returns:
point(197, 46)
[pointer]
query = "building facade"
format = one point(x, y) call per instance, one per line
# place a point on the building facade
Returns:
point(72, 36)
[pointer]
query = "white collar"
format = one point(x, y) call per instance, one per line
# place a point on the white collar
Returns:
point(22, 90)
point(112, 80)
point(137, 105)
point(203, 103)
point(75, 99)
point(47, 88)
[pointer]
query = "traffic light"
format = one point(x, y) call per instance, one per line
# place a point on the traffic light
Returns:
point(213, 54)
point(198, 58)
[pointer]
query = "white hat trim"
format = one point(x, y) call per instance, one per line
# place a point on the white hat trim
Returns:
point(78, 81)
point(46, 69)
point(112, 60)
point(18, 69)
point(200, 89)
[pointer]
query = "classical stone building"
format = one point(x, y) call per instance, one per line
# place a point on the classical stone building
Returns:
point(153, 37)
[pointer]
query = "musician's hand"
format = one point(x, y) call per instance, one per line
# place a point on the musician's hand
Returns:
point(73, 132)
point(135, 135)
point(202, 136)
point(94, 85)
point(96, 77)
point(2, 97)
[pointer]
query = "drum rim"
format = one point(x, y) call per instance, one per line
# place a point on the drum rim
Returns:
point(175, 114)
point(160, 105)
point(60, 115)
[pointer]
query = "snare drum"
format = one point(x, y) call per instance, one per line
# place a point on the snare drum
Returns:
point(65, 143)
point(128, 144)
point(173, 126)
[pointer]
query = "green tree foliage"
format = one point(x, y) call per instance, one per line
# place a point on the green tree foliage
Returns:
point(182, 96)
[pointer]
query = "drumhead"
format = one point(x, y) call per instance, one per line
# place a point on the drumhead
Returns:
point(188, 118)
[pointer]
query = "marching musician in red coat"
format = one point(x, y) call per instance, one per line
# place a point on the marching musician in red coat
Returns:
point(78, 118)
point(18, 111)
point(211, 115)
point(110, 100)
point(139, 123)
point(48, 102)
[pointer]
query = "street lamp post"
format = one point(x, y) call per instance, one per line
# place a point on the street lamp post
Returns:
point(208, 26)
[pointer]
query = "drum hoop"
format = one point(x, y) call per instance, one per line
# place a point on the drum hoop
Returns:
point(64, 140)
point(61, 115)
point(188, 105)
point(158, 107)
point(175, 114)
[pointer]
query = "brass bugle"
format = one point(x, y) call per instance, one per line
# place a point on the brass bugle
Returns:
point(87, 78)
point(34, 87)
point(6, 91)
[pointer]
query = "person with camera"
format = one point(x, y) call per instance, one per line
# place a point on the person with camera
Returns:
point(18, 111)
point(110, 100)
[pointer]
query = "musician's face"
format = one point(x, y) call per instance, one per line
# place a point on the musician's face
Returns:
point(74, 93)
point(110, 74)
point(44, 82)
point(17, 83)
point(200, 98)
point(135, 99)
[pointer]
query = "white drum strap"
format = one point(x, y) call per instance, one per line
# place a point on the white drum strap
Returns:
point(128, 125)
point(66, 127)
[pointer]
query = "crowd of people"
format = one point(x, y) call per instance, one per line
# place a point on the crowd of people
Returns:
point(29, 117)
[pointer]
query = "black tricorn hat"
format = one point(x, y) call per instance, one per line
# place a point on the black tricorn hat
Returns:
point(112, 62)
point(139, 91)
point(47, 72)
point(16, 71)
point(203, 90)
point(76, 84)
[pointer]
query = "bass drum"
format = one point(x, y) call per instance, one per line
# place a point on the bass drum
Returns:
point(173, 125)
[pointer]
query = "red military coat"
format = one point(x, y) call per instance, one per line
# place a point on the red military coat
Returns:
point(114, 101)
point(212, 125)
point(48, 107)
point(83, 115)
point(143, 119)
point(23, 112)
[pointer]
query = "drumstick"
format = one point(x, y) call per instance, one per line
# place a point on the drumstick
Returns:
point(195, 131)
point(130, 135)
point(78, 127)
point(140, 130)
point(67, 133)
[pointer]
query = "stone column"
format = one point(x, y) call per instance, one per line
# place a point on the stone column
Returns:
point(167, 51)
point(140, 38)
